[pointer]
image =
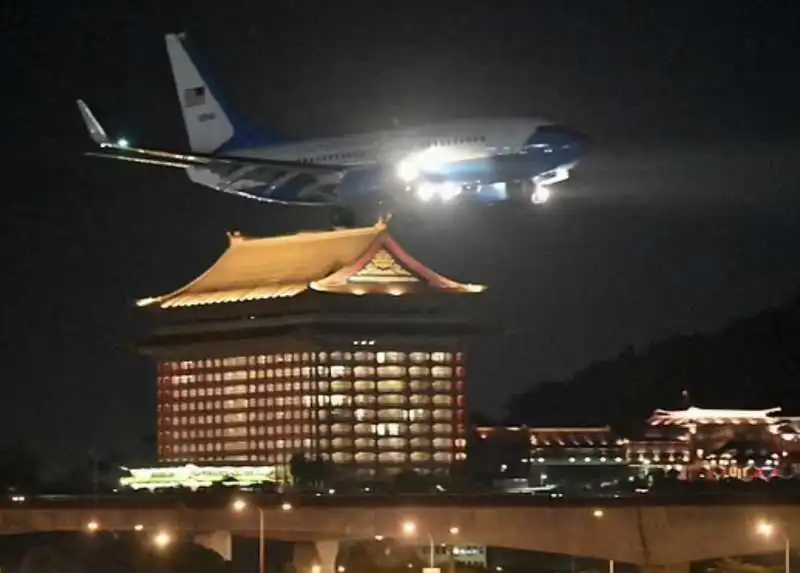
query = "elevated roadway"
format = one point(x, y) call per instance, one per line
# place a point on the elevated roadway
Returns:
point(653, 532)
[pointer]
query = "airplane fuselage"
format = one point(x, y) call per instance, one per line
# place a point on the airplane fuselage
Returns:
point(474, 154)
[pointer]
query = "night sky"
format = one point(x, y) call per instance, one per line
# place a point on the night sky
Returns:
point(684, 216)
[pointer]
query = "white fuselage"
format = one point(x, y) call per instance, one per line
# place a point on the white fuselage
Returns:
point(474, 137)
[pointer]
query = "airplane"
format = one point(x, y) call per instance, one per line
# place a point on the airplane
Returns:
point(483, 161)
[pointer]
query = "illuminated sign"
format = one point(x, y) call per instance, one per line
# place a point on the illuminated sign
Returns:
point(194, 477)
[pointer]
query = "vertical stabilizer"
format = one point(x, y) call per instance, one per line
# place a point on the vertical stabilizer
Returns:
point(208, 125)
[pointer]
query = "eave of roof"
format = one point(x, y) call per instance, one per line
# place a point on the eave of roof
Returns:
point(254, 269)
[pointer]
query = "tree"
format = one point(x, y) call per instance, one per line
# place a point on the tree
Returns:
point(19, 470)
point(409, 481)
point(755, 356)
point(50, 559)
point(320, 472)
point(299, 467)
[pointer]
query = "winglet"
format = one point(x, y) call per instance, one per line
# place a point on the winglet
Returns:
point(96, 130)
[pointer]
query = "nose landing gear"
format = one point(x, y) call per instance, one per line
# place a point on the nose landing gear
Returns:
point(540, 194)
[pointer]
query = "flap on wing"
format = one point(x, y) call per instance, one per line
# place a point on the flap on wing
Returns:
point(205, 159)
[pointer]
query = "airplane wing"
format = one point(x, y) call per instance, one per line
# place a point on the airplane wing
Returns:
point(120, 150)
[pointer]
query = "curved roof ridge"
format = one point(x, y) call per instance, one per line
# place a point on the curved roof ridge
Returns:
point(147, 301)
point(348, 242)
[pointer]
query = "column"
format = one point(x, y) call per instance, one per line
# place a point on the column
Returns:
point(315, 557)
point(218, 541)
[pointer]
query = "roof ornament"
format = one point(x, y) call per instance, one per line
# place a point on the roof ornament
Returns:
point(235, 237)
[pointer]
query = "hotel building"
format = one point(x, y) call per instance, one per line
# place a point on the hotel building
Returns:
point(337, 345)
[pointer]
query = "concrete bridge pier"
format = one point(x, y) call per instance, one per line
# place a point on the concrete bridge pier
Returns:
point(221, 542)
point(316, 556)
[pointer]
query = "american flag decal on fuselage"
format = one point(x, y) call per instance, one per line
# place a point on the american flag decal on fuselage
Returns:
point(194, 96)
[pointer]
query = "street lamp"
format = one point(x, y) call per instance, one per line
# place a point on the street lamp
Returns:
point(162, 539)
point(410, 529)
point(767, 529)
point(239, 506)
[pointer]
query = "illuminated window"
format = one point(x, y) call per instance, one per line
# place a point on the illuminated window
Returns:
point(419, 414)
point(341, 371)
point(388, 429)
point(441, 372)
point(364, 400)
point(392, 443)
point(391, 386)
point(364, 414)
point(341, 385)
point(235, 390)
point(392, 400)
point(364, 385)
point(391, 457)
point(390, 357)
point(391, 371)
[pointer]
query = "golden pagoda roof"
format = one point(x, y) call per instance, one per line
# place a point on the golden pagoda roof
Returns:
point(356, 261)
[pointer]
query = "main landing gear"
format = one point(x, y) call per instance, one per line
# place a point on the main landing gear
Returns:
point(363, 214)
point(528, 192)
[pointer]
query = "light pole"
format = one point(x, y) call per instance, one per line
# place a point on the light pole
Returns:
point(240, 505)
point(410, 529)
point(599, 513)
point(767, 529)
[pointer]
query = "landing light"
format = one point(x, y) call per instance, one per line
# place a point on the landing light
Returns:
point(122, 142)
point(430, 159)
point(445, 191)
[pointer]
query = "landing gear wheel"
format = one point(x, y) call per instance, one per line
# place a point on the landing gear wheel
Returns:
point(540, 195)
point(343, 217)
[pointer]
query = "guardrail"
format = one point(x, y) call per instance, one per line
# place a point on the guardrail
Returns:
point(221, 499)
